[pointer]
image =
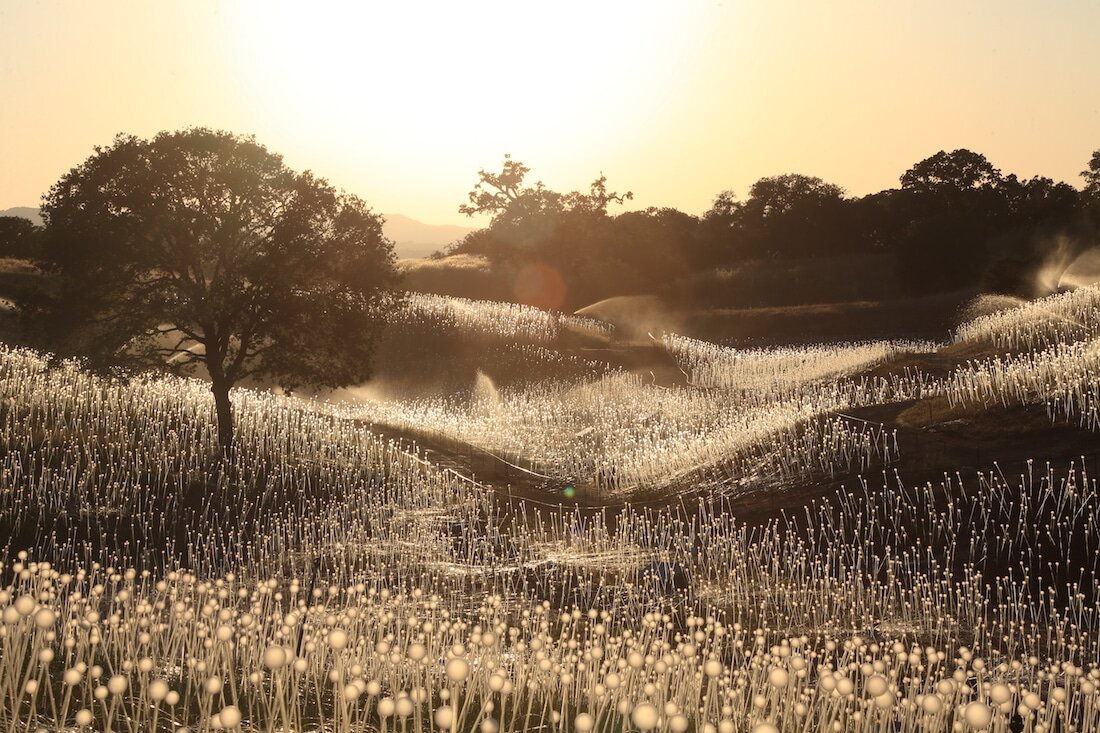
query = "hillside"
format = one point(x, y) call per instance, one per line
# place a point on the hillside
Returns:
point(520, 488)
point(411, 238)
point(26, 212)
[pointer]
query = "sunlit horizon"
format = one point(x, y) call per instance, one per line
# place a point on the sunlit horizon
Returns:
point(402, 104)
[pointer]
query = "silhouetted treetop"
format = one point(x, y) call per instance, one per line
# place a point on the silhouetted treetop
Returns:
point(201, 248)
point(1092, 176)
point(779, 195)
point(18, 237)
point(502, 196)
point(959, 170)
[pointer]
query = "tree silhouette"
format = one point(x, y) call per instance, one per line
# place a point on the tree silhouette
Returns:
point(1091, 174)
point(959, 170)
point(18, 237)
point(1091, 195)
point(956, 203)
point(534, 226)
point(790, 215)
point(201, 248)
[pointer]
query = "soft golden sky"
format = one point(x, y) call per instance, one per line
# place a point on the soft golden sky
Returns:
point(402, 102)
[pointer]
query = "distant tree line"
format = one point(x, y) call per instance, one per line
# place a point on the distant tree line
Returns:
point(956, 221)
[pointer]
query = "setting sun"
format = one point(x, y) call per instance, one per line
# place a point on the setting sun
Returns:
point(422, 92)
point(402, 103)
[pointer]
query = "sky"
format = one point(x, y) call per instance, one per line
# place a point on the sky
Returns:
point(402, 103)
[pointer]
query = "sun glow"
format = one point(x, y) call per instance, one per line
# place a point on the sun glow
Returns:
point(430, 85)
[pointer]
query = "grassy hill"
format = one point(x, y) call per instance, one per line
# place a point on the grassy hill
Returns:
point(546, 520)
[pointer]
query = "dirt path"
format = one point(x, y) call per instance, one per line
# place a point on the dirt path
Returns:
point(933, 438)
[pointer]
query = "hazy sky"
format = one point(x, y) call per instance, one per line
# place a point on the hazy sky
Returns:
point(403, 102)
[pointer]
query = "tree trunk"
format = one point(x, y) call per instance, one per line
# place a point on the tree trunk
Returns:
point(220, 388)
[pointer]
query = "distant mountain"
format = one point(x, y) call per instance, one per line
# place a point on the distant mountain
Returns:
point(411, 237)
point(27, 212)
point(417, 239)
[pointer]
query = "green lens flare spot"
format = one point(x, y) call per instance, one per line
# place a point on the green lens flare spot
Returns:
point(570, 492)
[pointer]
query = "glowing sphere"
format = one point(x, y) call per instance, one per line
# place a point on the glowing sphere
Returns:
point(978, 715)
point(231, 716)
point(444, 717)
point(158, 690)
point(457, 669)
point(338, 639)
point(645, 716)
point(877, 685)
point(274, 657)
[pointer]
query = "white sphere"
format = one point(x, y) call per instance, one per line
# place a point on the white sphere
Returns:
point(45, 618)
point(645, 716)
point(779, 677)
point(386, 707)
point(24, 605)
point(158, 690)
point(877, 685)
point(584, 723)
point(117, 685)
point(84, 717)
point(977, 715)
point(338, 639)
point(444, 717)
point(458, 670)
point(678, 724)
point(274, 657)
point(1000, 693)
point(231, 716)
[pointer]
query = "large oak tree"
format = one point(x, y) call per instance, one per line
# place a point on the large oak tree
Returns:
point(201, 249)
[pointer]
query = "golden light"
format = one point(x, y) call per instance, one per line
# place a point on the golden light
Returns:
point(424, 87)
point(389, 97)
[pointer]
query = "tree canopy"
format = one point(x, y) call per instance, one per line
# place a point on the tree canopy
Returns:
point(202, 249)
point(959, 170)
point(18, 237)
point(956, 221)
